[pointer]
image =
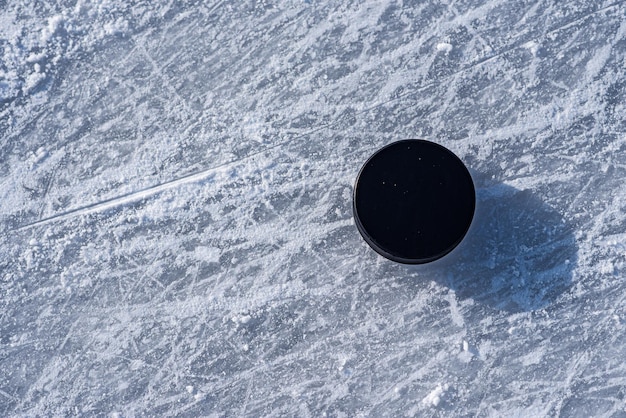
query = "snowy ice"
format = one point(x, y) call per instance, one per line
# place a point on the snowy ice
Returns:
point(176, 231)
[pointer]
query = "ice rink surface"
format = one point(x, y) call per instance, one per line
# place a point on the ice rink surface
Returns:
point(176, 231)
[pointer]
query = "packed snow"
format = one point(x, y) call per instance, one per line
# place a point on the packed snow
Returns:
point(176, 230)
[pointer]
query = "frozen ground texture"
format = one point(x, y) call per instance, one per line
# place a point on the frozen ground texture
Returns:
point(176, 235)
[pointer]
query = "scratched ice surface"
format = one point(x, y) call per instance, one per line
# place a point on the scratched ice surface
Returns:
point(176, 234)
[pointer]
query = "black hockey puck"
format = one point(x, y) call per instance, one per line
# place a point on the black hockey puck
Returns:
point(414, 201)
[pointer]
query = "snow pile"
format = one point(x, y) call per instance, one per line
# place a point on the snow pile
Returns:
point(444, 47)
point(436, 395)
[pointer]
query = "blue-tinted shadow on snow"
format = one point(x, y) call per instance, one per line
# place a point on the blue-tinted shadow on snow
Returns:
point(518, 255)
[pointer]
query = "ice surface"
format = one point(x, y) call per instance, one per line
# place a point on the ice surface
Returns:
point(176, 235)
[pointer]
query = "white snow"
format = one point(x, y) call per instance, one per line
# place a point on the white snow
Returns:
point(49, 30)
point(436, 395)
point(33, 80)
point(207, 254)
point(532, 46)
point(444, 47)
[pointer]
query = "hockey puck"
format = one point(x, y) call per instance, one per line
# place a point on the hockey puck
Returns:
point(414, 201)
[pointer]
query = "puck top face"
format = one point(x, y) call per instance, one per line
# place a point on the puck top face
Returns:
point(414, 201)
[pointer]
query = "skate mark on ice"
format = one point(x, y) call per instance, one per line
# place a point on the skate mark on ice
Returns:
point(144, 193)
